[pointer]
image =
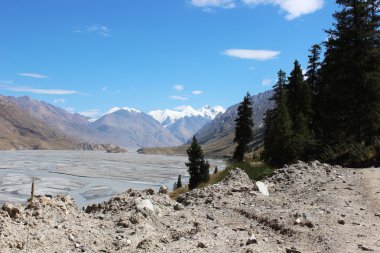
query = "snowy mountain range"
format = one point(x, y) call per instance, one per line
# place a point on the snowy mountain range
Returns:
point(180, 124)
point(168, 117)
point(26, 123)
point(184, 122)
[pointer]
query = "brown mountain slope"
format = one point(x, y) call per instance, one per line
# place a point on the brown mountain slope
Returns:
point(72, 124)
point(20, 130)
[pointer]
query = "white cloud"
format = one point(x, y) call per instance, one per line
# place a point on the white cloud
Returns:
point(90, 113)
point(260, 55)
point(33, 75)
point(178, 87)
point(104, 88)
point(178, 98)
point(100, 30)
point(206, 4)
point(267, 82)
point(39, 91)
point(293, 8)
point(196, 92)
point(59, 101)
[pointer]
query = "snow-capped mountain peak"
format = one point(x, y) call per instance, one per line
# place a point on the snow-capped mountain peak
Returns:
point(167, 117)
point(115, 109)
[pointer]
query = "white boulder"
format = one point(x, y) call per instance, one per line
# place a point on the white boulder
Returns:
point(261, 187)
point(142, 204)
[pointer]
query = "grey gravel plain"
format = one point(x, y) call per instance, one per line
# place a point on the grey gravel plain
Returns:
point(87, 176)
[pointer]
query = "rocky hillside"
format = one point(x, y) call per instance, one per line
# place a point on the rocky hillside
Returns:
point(72, 124)
point(310, 208)
point(20, 129)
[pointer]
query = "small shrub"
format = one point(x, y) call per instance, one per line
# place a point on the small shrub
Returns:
point(179, 182)
point(348, 154)
point(255, 171)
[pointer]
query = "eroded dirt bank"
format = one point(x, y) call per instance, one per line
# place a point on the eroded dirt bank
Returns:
point(310, 208)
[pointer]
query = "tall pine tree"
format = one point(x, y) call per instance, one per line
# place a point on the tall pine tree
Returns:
point(313, 67)
point(243, 128)
point(300, 110)
point(313, 79)
point(198, 168)
point(279, 135)
point(350, 74)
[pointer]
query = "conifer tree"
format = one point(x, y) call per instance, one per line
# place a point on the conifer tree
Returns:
point(350, 74)
point(243, 128)
point(313, 67)
point(198, 168)
point(299, 95)
point(279, 135)
point(300, 109)
point(179, 182)
point(313, 79)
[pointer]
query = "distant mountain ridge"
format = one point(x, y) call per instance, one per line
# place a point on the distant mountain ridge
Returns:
point(30, 124)
point(72, 124)
point(26, 123)
point(132, 128)
point(20, 129)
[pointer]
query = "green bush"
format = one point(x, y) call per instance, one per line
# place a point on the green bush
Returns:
point(376, 144)
point(255, 171)
point(348, 154)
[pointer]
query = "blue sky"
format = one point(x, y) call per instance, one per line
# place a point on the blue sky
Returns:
point(90, 55)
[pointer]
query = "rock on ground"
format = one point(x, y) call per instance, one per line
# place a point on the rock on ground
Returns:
point(301, 214)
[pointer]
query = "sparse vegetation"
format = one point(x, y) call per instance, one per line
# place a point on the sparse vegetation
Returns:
point(177, 192)
point(255, 171)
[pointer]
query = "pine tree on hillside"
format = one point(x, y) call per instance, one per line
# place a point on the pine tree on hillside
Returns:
point(243, 128)
point(299, 95)
point(350, 74)
point(279, 135)
point(313, 79)
point(198, 168)
point(300, 110)
point(313, 67)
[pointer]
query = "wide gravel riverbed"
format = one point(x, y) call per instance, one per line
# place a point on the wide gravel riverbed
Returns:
point(89, 177)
